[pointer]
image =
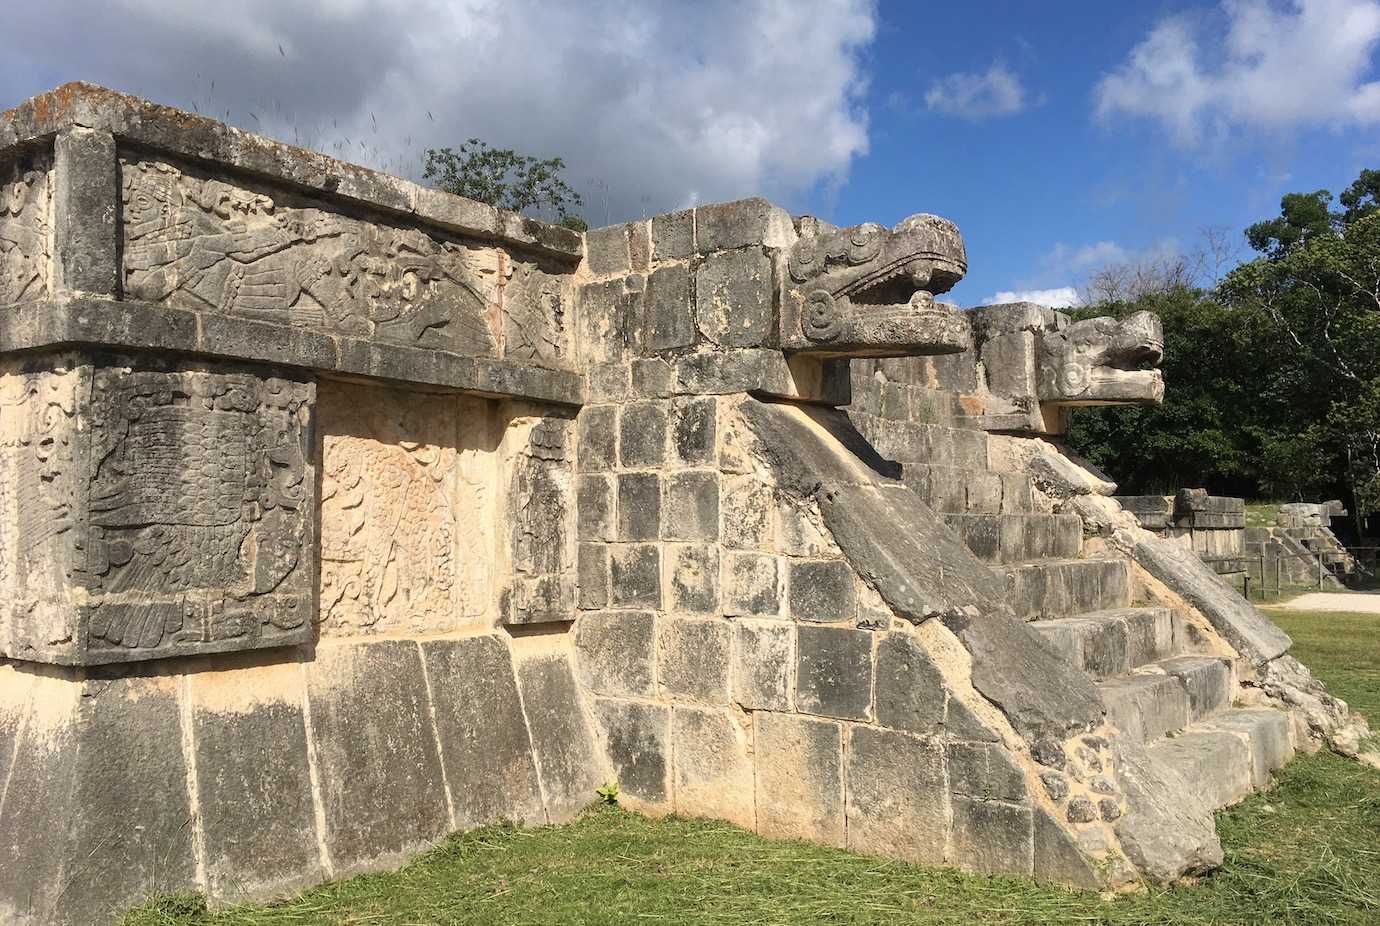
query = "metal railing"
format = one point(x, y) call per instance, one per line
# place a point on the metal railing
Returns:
point(1263, 586)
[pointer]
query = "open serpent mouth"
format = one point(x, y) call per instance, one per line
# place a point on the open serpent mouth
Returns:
point(911, 281)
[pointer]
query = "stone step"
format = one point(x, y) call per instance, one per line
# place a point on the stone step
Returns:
point(1229, 755)
point(1019, 538)
point(1067, 587)
point(1110, 643)
point(1167, 695)
point(959, 490)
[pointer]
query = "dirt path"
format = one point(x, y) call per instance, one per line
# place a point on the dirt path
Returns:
point(1355, 602)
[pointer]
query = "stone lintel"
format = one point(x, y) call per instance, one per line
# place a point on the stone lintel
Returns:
point(162, 128)
point(78, 321)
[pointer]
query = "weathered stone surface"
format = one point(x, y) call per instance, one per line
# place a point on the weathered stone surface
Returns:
point(985, 772)
point(667, 310)
point(594, 575)
point(1145, 707)
point(568, 759)
point(1218, 763)
point(607, 250)
point(1169, 830)
point(257, 813)
point(538, 517)
point(693, 431)
point(763, 665)
point(86, 197)
point(26, 224)
point(712, 765)
point(635, 570)
point(1265, 731)
point(379, 771)
point(605, 319)
point(751, 584)
point(741, 223)
point(898, 804)
point(691, 505)
point(693, 572)
point(1245, 628)
point(821, 590)
point(642, 434)
point(615, 652)
point(733, 298)
point(992, 836)
point(485, 747)
point(693, 659)
point(745, 508)
point(799, 764)
point(673, 235)
point(639, 506)
point(834, 672)
point(598, 438)
point(1057, 857)
point(911, 694)
point(637, 739)
point(594, 502)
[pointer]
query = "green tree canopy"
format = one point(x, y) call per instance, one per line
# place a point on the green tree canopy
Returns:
point(501, 177)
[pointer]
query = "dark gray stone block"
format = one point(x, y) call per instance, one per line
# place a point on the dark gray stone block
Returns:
point(673, 235)
point(667, 310)
point(568, 758)
point(1145, 707)
point(694, 577)
point(635, 570)
point(736, 224)
point(637, 738)
point(615, 652)
point(639, 506)
point(821, 590)
point(1168, 830)
point(690, 505)
point(653, 378)
point(485, 747)
point(1207, 679)
point(642, 434)
point(993, 837)
point(592, 563)
point(910, 691)
point(752, 584)
point(834, 672)
point(693, 431)
point(763, 660)
point(594, 502)
point(608, 250)
point(694, 659)
point(85, 208)
point(1058, 859)
point(898, 804)
point(734, 293)
point(605, 312)
point(379, 770)
point(598, 438)
point(985, 772)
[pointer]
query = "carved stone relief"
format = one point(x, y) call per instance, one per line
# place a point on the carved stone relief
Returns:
point(25, 250)
point(536, 322)
point(538, 515)
point(406, 537)
point(208, 245)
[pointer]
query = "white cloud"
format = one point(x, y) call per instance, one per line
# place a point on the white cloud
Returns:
point(1275, 67)
point(651, 105)
point(1100, 253)
point(1061, 297)
point(996, 92)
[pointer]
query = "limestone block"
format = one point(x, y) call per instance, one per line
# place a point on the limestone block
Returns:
point(691, 505)
point(652, 377)
point(598, 438)
point(594, 575)
point(673, 235)
point(751, 584)
point(615, 652)
point(834, 672)
point(693, 577)
point(26, 227)
point(379, 770)
point(911, 693)
point(642, 434)
point(743, 222)
point(693, 431)
point(486, 752)
point(537, 513)
point(1058, 859)
point(821, 590)
point(733, 298)
point(635, 575)
point(406, 504)
point(898, 804)
point(86, 195)
point(763, 665)
point(992, 836)
point(712, 765)
point(639, 506)
point(985, 772)
point(799, 764)
point(594, 498)
point(667, 320)
point(257, 814)
point(745, 506)
point(568, 759)
point(607, 250)
point(693, 659)
point(153, 507)
point(606, 313)
point(637, 739)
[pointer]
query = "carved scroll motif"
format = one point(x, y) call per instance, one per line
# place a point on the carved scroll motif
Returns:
point(200, 508)
point(208, 245)
point(396, 514)
point(24, 234)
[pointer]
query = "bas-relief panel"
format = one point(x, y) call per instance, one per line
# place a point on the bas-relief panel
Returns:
point(538, 517)
point(200, 499)
point(406, 510)
point(25, 233)
point(205, 244)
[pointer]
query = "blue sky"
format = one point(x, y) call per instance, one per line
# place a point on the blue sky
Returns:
point(1060, 136)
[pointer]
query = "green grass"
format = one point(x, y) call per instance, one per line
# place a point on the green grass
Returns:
point(1305, 852)
point(1261, 514)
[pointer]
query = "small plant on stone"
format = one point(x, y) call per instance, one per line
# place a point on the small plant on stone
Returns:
point(608, 794)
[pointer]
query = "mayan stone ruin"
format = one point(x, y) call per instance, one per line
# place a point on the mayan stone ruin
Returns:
point(339, 514)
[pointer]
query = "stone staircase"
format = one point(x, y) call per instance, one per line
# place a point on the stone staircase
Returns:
point(1176, 703)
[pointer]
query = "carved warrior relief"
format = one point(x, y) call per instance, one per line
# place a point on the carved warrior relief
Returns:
point(405, 530)
point(24, 233)
point(540, 508)
point(201, 499)
point(208, 245)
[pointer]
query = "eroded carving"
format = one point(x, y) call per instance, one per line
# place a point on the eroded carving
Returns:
point(868, 291)
point(1102, 361)
point(535, 323)
point(24, 233)
point(404, 528)
point(209, 245)
point(200, 501)
point(539, 513)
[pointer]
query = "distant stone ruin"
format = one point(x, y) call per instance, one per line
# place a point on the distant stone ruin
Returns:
point(339, 514)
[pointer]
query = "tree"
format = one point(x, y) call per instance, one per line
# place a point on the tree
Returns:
point(501, 177)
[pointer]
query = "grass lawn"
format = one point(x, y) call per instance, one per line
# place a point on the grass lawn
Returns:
point(1307, 851)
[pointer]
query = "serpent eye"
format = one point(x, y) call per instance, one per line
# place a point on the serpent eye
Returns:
point(864, 244)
